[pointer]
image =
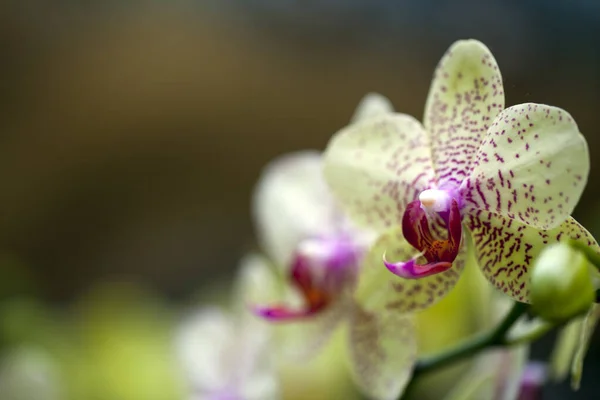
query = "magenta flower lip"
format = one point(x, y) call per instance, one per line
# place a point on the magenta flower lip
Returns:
point(439, 253)
point(323, 268)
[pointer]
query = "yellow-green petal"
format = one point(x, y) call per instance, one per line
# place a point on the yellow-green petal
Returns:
point(376, 166)
point(379, 290)
point(383, 351)
point(373, 104)
point(465, 96)
point(506, 248)
point(532, 167)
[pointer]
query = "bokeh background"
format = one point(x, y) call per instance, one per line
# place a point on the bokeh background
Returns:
point(132, 133)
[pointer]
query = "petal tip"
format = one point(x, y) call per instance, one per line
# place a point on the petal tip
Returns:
point(271, 314)
point(411, 270)
point(402, 269)
point(469, 44)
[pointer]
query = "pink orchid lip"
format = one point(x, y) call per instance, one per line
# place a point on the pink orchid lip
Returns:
point(322, 269)
point(439, 253)
point(283, 313)
point(412, 270)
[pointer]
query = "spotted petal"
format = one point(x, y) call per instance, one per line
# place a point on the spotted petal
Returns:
point(506, 248)
point(379, 290)
point(532, 166)
point(376, 166)
point(373, 104)
point(383, 350)
point(292, 202)
point(465, 96)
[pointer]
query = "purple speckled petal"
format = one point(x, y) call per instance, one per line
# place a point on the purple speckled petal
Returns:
point(506, 248)
point(465, 96)
point(383, 351)
point(376, 166)
point(532, 166)
point(380, 291)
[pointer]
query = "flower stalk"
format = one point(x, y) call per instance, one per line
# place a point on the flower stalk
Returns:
point(494, 338)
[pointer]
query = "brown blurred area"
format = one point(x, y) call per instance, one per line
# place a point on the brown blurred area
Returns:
point(131, 135)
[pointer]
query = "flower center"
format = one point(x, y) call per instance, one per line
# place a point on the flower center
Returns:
point(322, 269)
point(438, 208)
point(435, 200)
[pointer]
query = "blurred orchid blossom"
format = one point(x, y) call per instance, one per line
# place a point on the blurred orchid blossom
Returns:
point(30, 373)
point(225, 355)
point(511, 177)
point(320, 254)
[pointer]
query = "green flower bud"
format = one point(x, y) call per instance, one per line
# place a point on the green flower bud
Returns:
point(561, 283)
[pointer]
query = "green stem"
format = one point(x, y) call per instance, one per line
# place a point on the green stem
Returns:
point(496, 337)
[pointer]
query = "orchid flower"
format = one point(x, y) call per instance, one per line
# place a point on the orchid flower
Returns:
point(509, 177)
point(320, 253)
point(225, 355)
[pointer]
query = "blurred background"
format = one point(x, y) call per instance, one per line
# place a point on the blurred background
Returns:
point(132, 133)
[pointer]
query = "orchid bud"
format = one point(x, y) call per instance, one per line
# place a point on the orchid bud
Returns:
point(561, 283)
